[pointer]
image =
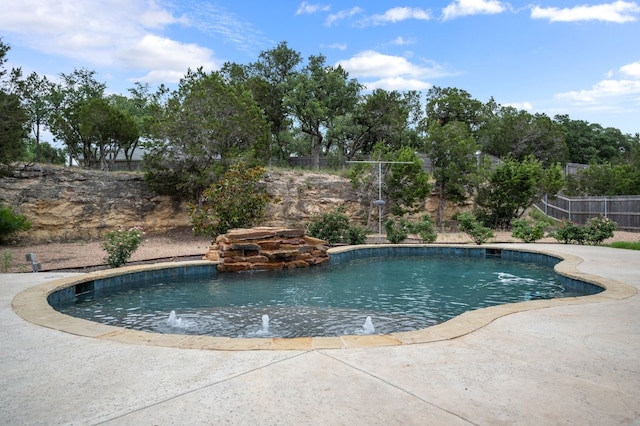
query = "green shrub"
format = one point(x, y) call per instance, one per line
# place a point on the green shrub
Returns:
point(594, 232)
point(569, 233)
point(424, 229)
point(397, 230)
point(334, 228)
point(120, 245)
point(527, 231)
point(238, 200)
point(10, 223)
point(468, 224)
point(599, 229)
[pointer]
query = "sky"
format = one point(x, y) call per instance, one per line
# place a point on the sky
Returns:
point(576, 57)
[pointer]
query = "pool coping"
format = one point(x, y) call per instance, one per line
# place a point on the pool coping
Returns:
point(32, 305)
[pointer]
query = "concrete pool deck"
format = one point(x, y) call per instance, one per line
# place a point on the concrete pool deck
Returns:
point(564, 364)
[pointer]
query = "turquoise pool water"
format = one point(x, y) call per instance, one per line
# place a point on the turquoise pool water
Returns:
point(377, 295)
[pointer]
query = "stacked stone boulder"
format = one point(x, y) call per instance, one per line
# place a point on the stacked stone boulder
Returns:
point(266, 248)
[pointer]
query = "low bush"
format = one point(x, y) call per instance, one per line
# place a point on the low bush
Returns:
point(11, 222)
point(469, 224)
point(527, 231)
point(397, 230)
point(599, 229)
point(424, 229)
point(120, 245)
point(595, 231)
point(334, 227)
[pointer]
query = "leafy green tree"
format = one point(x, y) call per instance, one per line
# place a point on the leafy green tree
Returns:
point(12, 131)
point(49, 154)
point(237, 200)
point(590, 143)
point(605, 179)
point(402, 187)
point(35, 95)
point(270, 80)
point(387, 117)
point(451, 149)
point(517, 133)
point(205, 125)
point(68, 98)
point(319, 94)
point(13, 120)
point(449, 104)
point(107, 129)
point(513, 187)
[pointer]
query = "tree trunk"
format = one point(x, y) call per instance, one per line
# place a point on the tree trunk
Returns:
point(316, 148)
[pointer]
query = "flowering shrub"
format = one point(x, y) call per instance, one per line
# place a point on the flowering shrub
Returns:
point(120, 245)
point(595, 231)
point(599, 229)
point(527, 231)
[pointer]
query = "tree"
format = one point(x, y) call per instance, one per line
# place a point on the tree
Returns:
point(381, 116)
point(516, 133)
point(13, 121)
point(513, 187)
point(605, 180)
point(318, 95)
point(270, 80)
point(107, 129)
point(446, 105)
point(205, 125)
point(35, 94)
point(589, 143)
point(68, 98)
point(451, 149)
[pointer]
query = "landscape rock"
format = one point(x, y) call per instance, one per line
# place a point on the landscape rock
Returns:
point(241, 250)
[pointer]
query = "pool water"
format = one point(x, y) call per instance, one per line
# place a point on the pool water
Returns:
point(372, 295)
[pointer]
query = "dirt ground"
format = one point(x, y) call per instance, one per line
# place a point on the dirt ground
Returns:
point(176, 245)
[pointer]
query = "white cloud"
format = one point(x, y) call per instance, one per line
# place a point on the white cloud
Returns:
point(122, 35)
point(390, 72)
point(527, 106)
point(618, 12)
point(343, 14)
point(604, 90)
point(631, 70)
point(398, 83)
point(472, 7)
point(307, 8)
point(165, 57)
point(622, 94)
point(401, 41)
point(397, 14)
point(339, 46)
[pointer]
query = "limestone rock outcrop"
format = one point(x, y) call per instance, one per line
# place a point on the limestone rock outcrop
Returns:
point(73, 204)
point(266, 248)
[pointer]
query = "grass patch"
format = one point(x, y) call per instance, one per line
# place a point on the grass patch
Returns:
point(625, 245)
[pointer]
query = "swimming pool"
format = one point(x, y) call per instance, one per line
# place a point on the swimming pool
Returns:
point(366, 290)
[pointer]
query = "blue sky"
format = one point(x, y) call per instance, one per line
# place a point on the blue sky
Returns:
point(578, 57)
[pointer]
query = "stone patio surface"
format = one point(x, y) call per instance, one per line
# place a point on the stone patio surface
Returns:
point(572, 364)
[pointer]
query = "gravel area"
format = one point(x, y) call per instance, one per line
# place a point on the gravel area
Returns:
point(178, 245)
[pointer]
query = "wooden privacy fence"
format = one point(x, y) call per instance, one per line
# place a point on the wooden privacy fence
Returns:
point(624, 210)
